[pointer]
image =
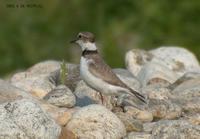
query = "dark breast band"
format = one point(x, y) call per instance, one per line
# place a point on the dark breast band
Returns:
point(89, 52)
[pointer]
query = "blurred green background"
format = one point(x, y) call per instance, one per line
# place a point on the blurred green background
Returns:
point(30, 35)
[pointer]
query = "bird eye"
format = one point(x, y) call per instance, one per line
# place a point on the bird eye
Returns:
point(79, 36)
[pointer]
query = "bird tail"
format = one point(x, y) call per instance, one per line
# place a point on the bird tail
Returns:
point(138, 95)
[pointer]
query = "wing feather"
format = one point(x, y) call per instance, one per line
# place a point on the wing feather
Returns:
point(101, 70)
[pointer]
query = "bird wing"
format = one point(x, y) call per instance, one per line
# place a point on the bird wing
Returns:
point(101, 70)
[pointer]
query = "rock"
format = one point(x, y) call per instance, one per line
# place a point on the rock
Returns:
point(23, 118)
point(188, 89)
point(138, 135)
point(141, 115)
point(135, 59)
point(192, 106)
point(187, 76)
point(172, 60)
point(38, 86)
point(187, 95)
point(128, 79)
point(44, 76)
point(95, 121)
point(156, 73)
point(60, 115)
point(9, 92)
point(157, 92)
point(66, 134)
point(164, 109)
point(44, 67)
point(130, 123)
point(61, 96)
point(176, 129)
point(148, 127)
point(194, 119)
point(177, 59)
point(86, 96)
point(71, 78)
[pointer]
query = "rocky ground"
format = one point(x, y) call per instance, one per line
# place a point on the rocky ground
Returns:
point(35, 105)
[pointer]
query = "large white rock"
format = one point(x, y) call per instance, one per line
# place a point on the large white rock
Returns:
point(164, 109)
point(38, 86)
point(175, 129)
point(158, 73)
point(44, 67)
point(61, 96)
point(179, 60)
point(42, 77)
point(9, 92)
point(95, 121)
point(36, 79)
point(138, 135)
point(188, 89)
point(23, 119)
point(135, 59)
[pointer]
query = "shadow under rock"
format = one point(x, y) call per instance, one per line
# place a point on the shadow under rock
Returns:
point(84, 101)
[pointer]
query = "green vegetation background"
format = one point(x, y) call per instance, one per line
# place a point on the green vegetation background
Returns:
point(31, 35)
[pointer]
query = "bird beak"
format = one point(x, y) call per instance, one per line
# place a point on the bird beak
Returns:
point(73, 41)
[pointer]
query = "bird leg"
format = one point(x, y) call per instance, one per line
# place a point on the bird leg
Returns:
point(101, 97)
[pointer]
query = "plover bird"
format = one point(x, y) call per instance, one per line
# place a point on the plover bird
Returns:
point(97, 74)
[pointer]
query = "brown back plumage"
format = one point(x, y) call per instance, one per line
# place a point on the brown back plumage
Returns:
point(101, 70)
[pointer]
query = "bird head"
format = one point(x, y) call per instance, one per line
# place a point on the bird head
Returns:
point(86, 40)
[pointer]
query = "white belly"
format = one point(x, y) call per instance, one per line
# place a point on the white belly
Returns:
point(97, 83)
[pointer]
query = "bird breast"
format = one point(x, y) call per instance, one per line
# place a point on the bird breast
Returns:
point(94, 82)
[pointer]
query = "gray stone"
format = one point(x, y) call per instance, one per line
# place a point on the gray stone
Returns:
point(177, 59)
point(164, 109)
point(156, 73)
point(193, 118)
point(72, 76)
point(95, 121)
point(172, 60)
point(38, 86)
point(188, 89)
point(130, 123)
point(191, 106)
point(135, 59)
point(187, 76)
point(23, 119)
point(157, 92)
point(9, 92)
point(176, 129)
point(148, 127)
point(138, 135)
point(44, 76)
point(61, 96)
point(139, 114)
point(187, 95)
point(86, 96)
point(44, 67)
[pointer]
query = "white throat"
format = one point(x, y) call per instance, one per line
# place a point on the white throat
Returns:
point(87, 46)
